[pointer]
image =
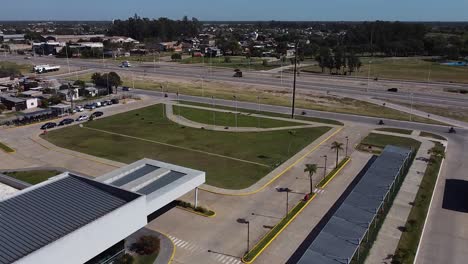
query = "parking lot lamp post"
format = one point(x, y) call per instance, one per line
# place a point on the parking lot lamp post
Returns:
point(294, 82)
point(325, 167)
point(214, 112)
point(258, 111)
point(347, 142)
point(202, 89)
point(196, 198)
point(235, 99)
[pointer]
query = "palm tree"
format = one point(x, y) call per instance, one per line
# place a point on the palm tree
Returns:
point(337, 146)
point(311, 169)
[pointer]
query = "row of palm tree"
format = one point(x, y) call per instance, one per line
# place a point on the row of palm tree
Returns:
point(311, 169)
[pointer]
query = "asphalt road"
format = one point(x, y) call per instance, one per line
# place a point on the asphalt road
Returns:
point(343, 86)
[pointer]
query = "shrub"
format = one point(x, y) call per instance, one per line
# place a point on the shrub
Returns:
point(146, 245)
point(176, 56)
point(227, 59)
point(125, 259)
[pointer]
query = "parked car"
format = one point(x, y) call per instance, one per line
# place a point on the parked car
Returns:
point(97, 104)
point(97, 114)
point(90, 106)
point(82, 118)
point(79, 108)
point(66, 121)
point(115, 101)
point(48, 125)
point(125, 88)
point(109, 102)
point(393, 90)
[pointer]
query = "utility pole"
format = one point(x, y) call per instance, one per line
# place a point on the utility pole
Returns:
point(235, 98)
point(325, 167)
point(347, 141)
point(294, 83)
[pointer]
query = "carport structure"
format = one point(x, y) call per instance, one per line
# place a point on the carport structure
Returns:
point(160, 182)
point(341, 237)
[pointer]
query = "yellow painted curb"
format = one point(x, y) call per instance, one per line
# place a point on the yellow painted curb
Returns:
point(336, 173)
point(198, 213)
point(279, 232)
point(280, 174)
point(173, 246)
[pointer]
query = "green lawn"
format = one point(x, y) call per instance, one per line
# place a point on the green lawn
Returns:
point(409, 240)
point(257, 154)
point(33, 177)
point(415, 69)
point(431, 135)
point(6, 148)
point(379, 141)
point(396, 130)
point(22, 68)
point(312, 119)
point(229, 119)
point(146, 259)
point(239, 62)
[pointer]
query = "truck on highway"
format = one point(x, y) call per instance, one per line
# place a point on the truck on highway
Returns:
point(45, 68)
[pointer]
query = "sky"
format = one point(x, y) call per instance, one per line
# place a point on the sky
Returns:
point(228, 10)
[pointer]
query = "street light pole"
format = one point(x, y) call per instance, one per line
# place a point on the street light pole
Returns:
point(214, 112)
point(294, 83)
point(411, 112)
point(258, 111)
point(325, 167)
point(235, 98)
point(287, 202)
point(347, 141)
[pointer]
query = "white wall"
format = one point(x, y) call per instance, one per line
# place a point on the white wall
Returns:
point(31, 103)
point(90, 240)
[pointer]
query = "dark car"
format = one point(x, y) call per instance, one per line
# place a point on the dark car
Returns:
point(394, 90)
point(97, 114)
point(115, 101)
point(48, 125)
point(237, 73)
point(125, 89)
point(66, 121)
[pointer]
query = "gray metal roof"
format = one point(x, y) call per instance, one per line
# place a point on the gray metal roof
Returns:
point(144, 170)
point(338, 241)
point(161, 182)
point(46, 212)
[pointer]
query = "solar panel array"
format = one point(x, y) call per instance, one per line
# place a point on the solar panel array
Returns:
point(42, 215)
point(339, 240)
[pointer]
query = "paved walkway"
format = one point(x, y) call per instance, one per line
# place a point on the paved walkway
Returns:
point(389, 235)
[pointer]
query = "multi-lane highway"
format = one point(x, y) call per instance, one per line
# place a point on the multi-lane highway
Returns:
point(427, 93)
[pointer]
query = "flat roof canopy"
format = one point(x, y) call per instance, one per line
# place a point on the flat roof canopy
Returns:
point(161, 182)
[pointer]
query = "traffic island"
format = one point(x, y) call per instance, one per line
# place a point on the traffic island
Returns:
point(6, 148)
point(199, 210)
point(327, 179)
point(266, 240)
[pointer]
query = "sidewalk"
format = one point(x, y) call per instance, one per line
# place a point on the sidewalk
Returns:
point(389, 235)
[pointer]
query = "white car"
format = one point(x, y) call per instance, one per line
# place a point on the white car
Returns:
point(82, 118)
point(79, 108)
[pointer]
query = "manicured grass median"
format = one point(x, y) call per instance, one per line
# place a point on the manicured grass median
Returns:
point(6, 148)
point(231, 160)
point(274, 232)
point(411, 236)
point(431, 135)
point(34, 176)
point(395, 130)
point(301, 117)
point(332, 173)
point(228, 119)
point(378, 141)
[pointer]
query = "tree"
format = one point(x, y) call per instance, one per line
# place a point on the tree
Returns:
point(436, 152)
point(96, 77)
point(337, 146)
point(114, 80)
point(146, 245)
point(80, 83)
point(176, 57)
point(311, 169)
point(125, 259)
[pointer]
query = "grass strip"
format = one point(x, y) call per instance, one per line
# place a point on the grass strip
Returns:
point(410, 238)
point(431, 135)
point(197, 210)
point(306, 118)
point(333, 173)
point(33, 176)
point(6, 148)
point(265, 241)
point(395, 130)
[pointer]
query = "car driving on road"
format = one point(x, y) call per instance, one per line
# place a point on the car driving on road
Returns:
point(82, 118)
point(48, 125)
point(66, 121)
